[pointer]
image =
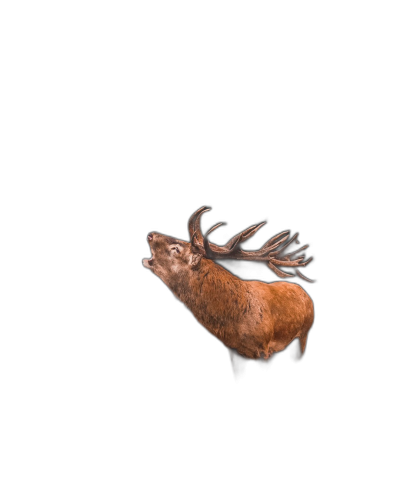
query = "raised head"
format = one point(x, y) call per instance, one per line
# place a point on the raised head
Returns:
point(173, 258)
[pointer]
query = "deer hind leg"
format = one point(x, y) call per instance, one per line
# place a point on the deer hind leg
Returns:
point(303, 341)
point(304, 334)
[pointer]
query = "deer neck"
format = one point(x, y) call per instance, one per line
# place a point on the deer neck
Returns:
point(216, 297)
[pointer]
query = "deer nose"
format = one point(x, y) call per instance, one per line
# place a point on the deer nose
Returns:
point(150, 236)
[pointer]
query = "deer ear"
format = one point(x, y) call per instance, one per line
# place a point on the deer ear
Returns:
point(195, 259)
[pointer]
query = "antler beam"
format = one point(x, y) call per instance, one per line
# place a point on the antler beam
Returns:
point(271, 252)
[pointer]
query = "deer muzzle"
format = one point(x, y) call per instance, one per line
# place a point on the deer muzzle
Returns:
point(149, 262)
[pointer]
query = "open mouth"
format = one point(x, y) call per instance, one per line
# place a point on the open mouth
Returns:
point(148, 262)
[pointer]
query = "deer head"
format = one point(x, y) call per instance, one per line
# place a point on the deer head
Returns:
point(173, 259)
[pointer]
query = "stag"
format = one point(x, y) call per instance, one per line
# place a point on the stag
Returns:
point(253, 317)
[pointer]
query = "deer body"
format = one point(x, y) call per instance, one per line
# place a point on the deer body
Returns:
point(253, 317)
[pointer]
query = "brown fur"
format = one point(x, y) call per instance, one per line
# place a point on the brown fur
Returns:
point(253, 317)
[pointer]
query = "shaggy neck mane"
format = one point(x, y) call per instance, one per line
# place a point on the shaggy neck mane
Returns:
point(230, 302)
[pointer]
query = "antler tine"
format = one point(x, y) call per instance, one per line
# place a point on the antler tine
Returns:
point(221, 252)
point(279, 272)
point(268, 248)
point(194, 222)
point(300, 275)
point(197, 221)
point(296, 251)
point(289, 263)
point(192, 239)
point(207, 235)
point(277, 252)
point(195, 230)
point(247, 233)
point(274, 238)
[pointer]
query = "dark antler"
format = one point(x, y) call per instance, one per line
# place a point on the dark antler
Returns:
point(271, 252)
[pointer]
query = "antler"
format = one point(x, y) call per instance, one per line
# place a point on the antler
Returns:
point(271, 252)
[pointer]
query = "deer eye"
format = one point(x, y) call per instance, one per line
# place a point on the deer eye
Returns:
point(176, 249)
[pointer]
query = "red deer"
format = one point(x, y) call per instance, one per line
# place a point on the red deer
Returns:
point(255, 318)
